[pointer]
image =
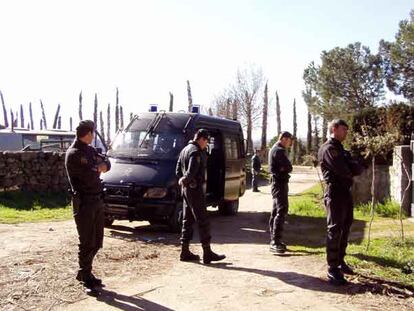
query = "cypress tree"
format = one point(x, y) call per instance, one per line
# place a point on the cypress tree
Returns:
point(279, 125)
point(80, 107)
point(21, 116)
point(6, 121)
point(31, 116)
point(43, 115)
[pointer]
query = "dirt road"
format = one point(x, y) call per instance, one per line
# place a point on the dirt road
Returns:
point(141, 269)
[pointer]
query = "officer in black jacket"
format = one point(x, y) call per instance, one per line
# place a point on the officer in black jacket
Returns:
point(279, 167)
point(191, 170)
point(256, 167)
point(84, 166)
point(338, 169)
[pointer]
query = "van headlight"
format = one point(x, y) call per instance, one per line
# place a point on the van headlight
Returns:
point(155, 193)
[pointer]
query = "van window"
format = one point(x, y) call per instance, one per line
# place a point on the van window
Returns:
point(232, 148)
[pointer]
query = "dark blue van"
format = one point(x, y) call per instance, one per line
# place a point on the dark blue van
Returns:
point(142, 185)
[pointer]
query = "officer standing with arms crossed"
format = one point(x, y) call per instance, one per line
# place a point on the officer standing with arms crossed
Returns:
point(279, 167)
point(84, 166)
point(191, 170)
point(338, 169)
point(256, 167)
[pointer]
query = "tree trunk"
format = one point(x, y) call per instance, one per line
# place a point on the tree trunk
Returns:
point(373, 202)
point(309, 136)
point(324, 129)
point(316, 134)
point(264, 118)
point(234, 110)
point(228, 108)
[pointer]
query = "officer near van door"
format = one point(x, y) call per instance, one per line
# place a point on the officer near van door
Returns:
point(338, 169)
point(279, 167)
point(84, 166)
point(191, 170)
point(256, 167)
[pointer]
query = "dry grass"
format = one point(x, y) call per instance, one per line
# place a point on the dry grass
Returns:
point(41, 280)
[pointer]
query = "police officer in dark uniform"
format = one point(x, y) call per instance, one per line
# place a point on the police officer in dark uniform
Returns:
point(84, 166)
point(256, 167)
point(279, 167)
point(191, 170)
point(338, 169)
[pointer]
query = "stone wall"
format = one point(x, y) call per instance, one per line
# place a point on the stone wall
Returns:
point(34, 171)
point(361, 190)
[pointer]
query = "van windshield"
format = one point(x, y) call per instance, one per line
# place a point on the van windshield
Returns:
point(165, 142)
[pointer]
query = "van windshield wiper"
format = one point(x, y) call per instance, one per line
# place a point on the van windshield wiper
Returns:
point(152, 126)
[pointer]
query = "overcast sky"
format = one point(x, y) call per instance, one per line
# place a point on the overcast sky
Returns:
point(51, 50)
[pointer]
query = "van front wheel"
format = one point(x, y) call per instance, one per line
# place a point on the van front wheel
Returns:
point(229, 208)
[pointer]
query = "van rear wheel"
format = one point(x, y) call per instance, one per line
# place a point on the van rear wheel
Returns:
point(229, 208)
point(175, 221)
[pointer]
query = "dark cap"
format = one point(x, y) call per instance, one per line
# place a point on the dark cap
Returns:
point(285, 134)
point(84, 127)
point(202, 133)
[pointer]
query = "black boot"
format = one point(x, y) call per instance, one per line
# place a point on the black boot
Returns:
point(346, 269)
point(209, 255)
point(336, 277)
point(186, 254)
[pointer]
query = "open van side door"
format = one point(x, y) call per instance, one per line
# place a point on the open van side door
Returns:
point(234, 167)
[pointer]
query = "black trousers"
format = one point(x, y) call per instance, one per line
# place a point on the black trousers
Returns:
point(194, 210)
point(255, 177)
point(88, 212)
point(280, 190)
point(340, 215)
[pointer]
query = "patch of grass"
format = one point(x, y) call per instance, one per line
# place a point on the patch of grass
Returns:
point(388, 257)
point(387, 209)
point(18, 206)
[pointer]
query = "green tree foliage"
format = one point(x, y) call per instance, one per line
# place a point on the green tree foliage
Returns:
point(348, 80)
point(398, 59)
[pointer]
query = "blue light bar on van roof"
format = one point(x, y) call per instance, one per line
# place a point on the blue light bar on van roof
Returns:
point(153, 108)
point(195, 109)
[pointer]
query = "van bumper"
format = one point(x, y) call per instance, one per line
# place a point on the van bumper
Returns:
point(157, 210)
